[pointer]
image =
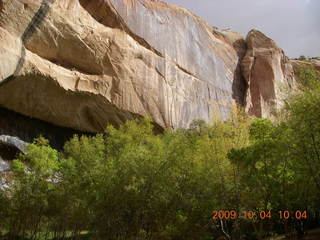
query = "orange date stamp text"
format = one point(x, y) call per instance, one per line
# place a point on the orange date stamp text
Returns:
point(263, 214)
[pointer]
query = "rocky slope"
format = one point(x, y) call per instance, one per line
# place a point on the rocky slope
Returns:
point(300, 63)
point(316, 63)
point(82, 64)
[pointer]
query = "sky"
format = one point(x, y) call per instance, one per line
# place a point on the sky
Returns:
point(293, 24)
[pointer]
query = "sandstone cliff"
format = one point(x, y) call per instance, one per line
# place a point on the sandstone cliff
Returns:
point(268, 73)
point(82, 64)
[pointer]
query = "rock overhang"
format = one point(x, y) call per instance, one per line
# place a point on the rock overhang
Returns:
point(90, 63)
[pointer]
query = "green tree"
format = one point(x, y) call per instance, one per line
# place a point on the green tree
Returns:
point(303, 119)
point(308, 77)
point(30, 190)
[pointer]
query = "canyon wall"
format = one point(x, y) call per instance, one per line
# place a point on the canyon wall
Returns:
point(269, 76)
point(83, 64)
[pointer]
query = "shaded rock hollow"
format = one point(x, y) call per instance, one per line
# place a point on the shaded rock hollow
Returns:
point(83, 64)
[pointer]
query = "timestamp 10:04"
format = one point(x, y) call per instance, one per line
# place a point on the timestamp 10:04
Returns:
point(232, 214)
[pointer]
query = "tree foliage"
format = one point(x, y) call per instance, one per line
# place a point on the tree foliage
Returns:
point(130, 183)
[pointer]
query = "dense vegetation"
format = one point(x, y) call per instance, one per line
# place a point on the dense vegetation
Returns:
point(130, 183)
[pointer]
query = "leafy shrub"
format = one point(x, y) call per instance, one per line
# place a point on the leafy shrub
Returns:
point(308, 77)
point(130, 183)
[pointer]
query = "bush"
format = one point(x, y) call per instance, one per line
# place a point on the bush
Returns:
point(302, 58)
point(125, 184)
point(130, 183)
point(308, 77)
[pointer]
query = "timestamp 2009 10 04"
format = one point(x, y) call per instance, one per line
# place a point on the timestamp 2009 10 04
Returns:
point(251, 215)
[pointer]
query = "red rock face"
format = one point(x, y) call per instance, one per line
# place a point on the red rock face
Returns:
point(268, 73)
point(83, 64)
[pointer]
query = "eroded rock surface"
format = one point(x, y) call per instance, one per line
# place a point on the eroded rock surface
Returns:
point(10, 147)
point(13, 142)
point(313, 62)
point(83, 64)
point(268, 73)
point(4, 166)
point(77, 67)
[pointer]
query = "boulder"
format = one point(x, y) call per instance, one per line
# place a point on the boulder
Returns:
point(13, 142)
point(10, 147)
point(4, 166)
point(84, 64)
point(269, 75)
